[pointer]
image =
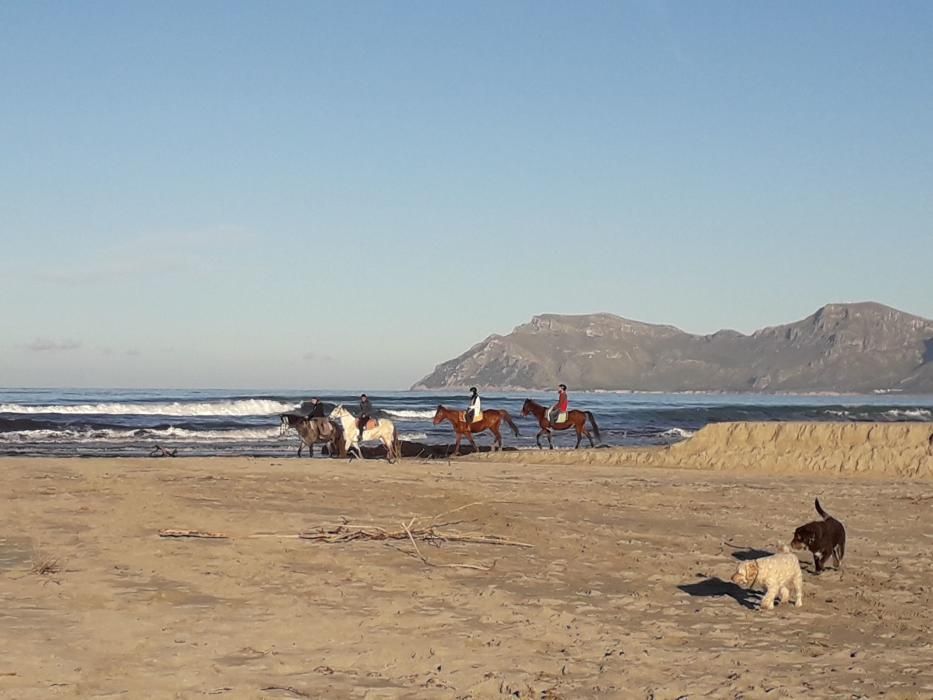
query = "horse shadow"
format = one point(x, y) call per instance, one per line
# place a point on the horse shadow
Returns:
point(715, 587)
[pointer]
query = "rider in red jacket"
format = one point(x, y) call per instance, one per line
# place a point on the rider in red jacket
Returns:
point(561, 405)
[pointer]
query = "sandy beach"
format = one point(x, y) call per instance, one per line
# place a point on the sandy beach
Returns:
point(622, 594)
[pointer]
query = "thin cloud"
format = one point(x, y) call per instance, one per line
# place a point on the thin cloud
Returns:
point(50, 345)
point(318, 357)
point(146, 255)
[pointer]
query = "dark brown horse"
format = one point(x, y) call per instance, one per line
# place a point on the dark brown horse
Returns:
point(314, 431)
point(490, 421)
point(575, 420)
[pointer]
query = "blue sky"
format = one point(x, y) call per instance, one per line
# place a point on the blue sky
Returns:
point(298, 194)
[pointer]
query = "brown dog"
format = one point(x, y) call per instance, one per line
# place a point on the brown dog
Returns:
point(825, 538)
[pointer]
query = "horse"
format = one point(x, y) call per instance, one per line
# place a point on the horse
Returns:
point(382, 430)
point(313, 431)
point(490, 421)
point(575, 420)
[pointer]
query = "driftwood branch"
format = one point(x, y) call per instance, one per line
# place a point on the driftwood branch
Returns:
point(415, 530)
point(159, 451)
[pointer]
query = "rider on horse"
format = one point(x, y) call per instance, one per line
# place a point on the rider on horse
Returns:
point(475, 411)
point(366, 412)
point(559, 408)
point(317, 409)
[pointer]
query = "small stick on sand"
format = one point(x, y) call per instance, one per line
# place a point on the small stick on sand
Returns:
point(159, 451)
point(288, 689)
point(193, 533)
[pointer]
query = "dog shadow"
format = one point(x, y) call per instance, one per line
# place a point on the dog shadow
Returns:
point(748, 554)
point(715, 588)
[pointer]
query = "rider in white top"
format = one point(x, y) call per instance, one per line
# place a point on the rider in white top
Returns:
point(475, 408)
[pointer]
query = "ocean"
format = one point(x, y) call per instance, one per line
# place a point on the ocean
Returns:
point(206, 422)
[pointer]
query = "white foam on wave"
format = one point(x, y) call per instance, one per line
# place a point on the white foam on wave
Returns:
point(413, 436)
point(912, 413)
point(406, 414)
point(141, 435)
point(242, 407)
point(678, 433)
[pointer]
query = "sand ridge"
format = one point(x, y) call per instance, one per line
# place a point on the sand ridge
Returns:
point(885, 450)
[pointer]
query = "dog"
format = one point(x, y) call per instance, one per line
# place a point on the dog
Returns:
point(824, 538)
point(776, 575)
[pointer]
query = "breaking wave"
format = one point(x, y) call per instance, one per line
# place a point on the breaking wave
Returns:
point(141, 435)
point(909, 414)
point(406, 414)
point(241, 407)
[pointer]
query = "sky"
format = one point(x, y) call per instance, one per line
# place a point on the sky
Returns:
point(342, 195)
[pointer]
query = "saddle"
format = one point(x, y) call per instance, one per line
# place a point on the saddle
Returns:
point(462, 416)
point(325, 429)
point(370, 424)
point(554, 417)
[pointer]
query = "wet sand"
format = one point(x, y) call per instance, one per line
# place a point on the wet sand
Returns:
point(624, 593)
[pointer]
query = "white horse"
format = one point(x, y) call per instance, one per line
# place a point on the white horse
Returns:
point(384, 432)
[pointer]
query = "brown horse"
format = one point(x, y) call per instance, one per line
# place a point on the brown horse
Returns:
point(575, 420)
point(490, 421)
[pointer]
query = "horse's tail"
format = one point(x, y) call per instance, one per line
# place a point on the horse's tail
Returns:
point(508, 419)
point(589, 414)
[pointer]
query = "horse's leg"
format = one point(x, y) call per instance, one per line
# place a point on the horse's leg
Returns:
point(579, 437)
point(498, 440)
point(549, 440)
point(469, 434)
point(457, 444)
point(589, 437)
point(300, 445)
point(310, 449)
point(538, 438)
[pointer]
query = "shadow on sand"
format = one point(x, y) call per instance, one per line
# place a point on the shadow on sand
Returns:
point(715, 587)
point(422, 450)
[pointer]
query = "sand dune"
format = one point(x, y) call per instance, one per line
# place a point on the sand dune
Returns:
point(902, 450)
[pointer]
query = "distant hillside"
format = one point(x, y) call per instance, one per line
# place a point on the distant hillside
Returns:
point(842, 347)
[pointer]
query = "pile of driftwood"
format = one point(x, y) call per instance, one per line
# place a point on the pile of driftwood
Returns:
point(429, 530)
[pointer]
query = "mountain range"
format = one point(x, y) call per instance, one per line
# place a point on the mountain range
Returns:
point(861, 347)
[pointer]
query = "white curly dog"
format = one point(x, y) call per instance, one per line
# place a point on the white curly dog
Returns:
point(776, 575)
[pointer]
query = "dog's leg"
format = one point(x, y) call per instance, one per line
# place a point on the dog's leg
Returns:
point(768, 601)
point(798, 589)
point(818, 562)
point(784, 595)
point(837, 556)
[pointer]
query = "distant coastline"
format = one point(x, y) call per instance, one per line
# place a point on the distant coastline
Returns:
point(864, 348)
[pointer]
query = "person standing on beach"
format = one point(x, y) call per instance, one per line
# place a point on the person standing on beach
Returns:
point(366, 412)
point(475, 409)
point(317, 408)
point(562, 403)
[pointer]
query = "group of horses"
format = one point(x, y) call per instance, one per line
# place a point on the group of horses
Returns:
point(340, 432)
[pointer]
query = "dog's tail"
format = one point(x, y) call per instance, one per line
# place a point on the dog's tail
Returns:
point(819, 509)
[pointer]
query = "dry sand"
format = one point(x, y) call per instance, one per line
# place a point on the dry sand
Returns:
point(622, 595)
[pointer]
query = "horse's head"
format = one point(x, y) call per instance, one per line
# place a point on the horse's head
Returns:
point(439, 414)
point(526, 407)
point(339, 412)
